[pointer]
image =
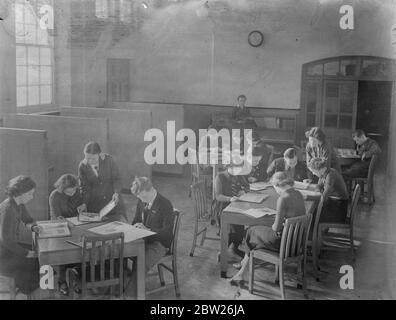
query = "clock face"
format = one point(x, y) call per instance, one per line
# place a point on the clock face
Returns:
point(255, 38)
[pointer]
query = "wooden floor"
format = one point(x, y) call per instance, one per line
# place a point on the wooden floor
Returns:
point(375, 265)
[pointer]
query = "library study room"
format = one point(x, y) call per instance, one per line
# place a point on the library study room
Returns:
point(197, 150)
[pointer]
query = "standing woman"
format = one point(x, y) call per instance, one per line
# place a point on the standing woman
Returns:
point(100, 182)
point(318, 147)
point(16, 260)
point(289, 204)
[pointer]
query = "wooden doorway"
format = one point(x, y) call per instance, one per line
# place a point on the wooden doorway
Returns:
point(118, 80)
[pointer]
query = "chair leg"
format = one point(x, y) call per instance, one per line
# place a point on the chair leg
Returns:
point(304, 279)
point(175, 279)
point(160, 274)
point(203, 236)
point(251, 272)
point(277, 274)
point(12, 289)
point(315, 255)
point(352, 244)
point(194, 239)
point(281, 280)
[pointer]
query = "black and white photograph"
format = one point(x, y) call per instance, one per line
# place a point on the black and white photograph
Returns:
point(211, 151)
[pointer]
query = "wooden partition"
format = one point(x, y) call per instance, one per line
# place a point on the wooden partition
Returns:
point(161, 113)
point(126, 142)
point(26, 152)
point(66, 138)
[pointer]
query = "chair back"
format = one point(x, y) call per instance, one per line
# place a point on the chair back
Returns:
point(319, 211)
point(96, 250)
point(354, 203)
point(372, 167)
point(272, 154)
point(175, 233)
point(200, 201)
point(295, 237)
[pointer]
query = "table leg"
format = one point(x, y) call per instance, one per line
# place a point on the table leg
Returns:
point(141, 273)
point(214, 173)
point(225, 229)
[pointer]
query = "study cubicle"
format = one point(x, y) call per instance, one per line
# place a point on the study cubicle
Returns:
point(25, 152)
point(126, 137)
point(66, 139)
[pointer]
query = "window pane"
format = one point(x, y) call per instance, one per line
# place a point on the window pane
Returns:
point(21, 55)
point(45, 56)
point(45, 95)
point(33, 95)
point(19, 33)
point(45, 75)
point(33, 55)
point(311, 120)
point(332, 90)
point(315, 70)
point(311, 97)
point(42, 36)
point(346, 98)
point(33, 75)
point(331, 121)
point(349, 67)
point(19, 13)
point(345, 122)
point(31, 34)
point(21, 75)
point(331, 68)
point(21, 96)
point(30, 16)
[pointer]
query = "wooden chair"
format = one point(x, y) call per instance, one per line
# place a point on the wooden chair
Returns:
point(369, 180)
point(314, 241)
point(10, 283)
point(201, 212)
point(169, 262)
point(334, 239)
point(293, 249)
point(197, 174)
point(97, 250)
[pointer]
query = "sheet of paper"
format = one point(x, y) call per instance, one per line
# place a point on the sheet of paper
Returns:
point(131, 233)
point(347, 153)
point(257, 186)
point(53, 229)
point(75, 221)
point(260, 212)
point(301, 185)
point(107, 208)
point(310, 193)
point(89, 217)
point(253, 197)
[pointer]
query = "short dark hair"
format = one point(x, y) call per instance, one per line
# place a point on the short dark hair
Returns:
point(241, 96)
point(358, 133)
point(290, 153)
point(19, 185)
point(66, 181)
point(140, 184)
point(317, 164)
point(316, 133)
point(92, 148)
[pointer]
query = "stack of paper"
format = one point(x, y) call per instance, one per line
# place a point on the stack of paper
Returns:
point(260, 212)
point(253, 197)
point(257, 186)
point(131, 233)
point(75, 221)
point(53, 229)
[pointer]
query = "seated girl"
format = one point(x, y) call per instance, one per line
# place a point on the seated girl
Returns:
point(289, 204)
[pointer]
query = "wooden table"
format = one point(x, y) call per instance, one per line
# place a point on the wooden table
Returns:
point(347, 156)
point(228, 218)
point(56, 252)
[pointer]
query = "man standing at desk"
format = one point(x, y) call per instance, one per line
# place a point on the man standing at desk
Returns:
point(366, 148)
point(241, 114)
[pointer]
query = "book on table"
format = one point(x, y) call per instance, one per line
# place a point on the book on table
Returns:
point(97, 217)
point(53, 229)
point(261, 185)
point(253, 197)
point(259, 212)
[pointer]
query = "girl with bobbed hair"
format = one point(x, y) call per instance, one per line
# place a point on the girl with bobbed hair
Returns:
point(319, 147)
point(289, 204)
point(17, 260)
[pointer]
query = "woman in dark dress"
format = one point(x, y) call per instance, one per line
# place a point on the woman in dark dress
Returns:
point(100, 182)
point(228, 186)
point(17, 260)
point(65, 202)
point(289, 204)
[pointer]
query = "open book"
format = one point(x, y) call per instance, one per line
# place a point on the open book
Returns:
point(259, 212)
point(53, 229)
point(131, 233)
point(257, 186)
point(253, 197)
point(348, 153)
point(95, 217)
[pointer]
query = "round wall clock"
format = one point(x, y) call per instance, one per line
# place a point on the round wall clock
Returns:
point(256, 38)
